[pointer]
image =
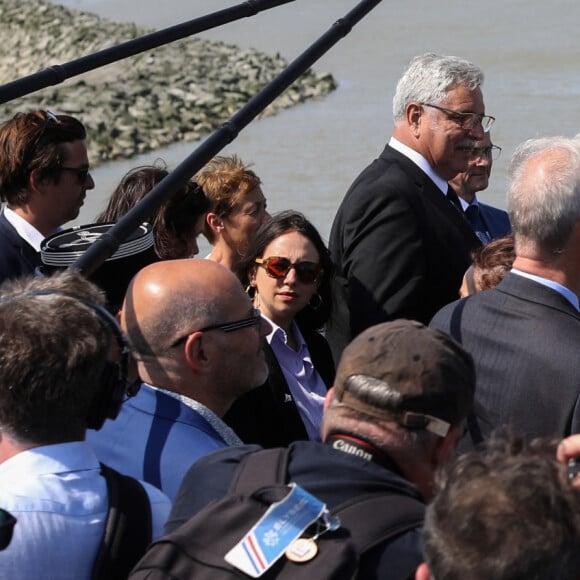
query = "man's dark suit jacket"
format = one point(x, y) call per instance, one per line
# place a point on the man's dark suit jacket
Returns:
point(268, 415)
point(496, 220)
point(525, 340)
point(400, 249)
point(17, 256)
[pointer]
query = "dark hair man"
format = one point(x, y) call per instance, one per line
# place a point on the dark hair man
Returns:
point(399, 240)
point(44, 177)
point(507, 512)
point(394, 414)
point(54, 355)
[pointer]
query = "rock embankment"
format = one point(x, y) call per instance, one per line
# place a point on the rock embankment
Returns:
point(177, 92)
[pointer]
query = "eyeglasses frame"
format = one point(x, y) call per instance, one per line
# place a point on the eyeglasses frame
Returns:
point(82, 172)
point(462, 117)
point(486, 151)
point(263, 262)
point(253, 320)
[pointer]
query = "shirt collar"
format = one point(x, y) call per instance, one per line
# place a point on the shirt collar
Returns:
point(565, 292)
point(421, 162)
point(465, 205)
point(280, 334)
point(24, 229)
point(225, 432)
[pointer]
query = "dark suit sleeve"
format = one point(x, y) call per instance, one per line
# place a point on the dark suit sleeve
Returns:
point(384, 259)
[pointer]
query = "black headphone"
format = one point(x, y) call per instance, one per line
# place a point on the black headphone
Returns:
point(114, 385)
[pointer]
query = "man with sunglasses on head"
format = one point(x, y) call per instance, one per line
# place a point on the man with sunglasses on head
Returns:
point(197, 342)
point(44, 177)
point(488, 222)
point(399, 240)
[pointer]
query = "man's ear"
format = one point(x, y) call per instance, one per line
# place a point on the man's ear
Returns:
point(35, 181)
point(194, 351)
point(422, 572)
point(413, 114)
point(328, 398)
point(446, 447)
point(215, 222)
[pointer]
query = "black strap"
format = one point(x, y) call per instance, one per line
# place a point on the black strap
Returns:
point(128, 528)
point(371, 519)
point(374, 519)
point(260, 468)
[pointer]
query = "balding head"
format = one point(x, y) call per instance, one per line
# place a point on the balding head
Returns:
point(167, 299)
point(544, 195)
point(167, 311)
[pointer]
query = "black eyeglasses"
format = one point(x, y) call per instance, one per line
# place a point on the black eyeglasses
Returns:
point(82, 172)
point(467, 121)
point(278, 267)
point(253, 320)
point(491, 152)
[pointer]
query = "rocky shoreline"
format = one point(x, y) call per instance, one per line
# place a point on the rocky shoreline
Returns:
point(179, 92)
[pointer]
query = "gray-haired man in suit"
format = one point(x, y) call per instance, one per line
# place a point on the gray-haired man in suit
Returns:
point(524, 334)
point(488, 222)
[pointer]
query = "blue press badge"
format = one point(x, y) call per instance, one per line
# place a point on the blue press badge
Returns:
point(283, 523)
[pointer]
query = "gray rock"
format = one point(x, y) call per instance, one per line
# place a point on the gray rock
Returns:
point(179, 92)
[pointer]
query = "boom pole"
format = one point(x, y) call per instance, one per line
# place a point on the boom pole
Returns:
point(108, 243)
point(58, 73)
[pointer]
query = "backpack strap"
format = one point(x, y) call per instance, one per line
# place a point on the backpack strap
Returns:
point(373, 519)
point(128, 528)
point(260, 468)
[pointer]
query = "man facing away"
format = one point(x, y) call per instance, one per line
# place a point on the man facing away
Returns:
point(488, 222)
point(399, 240)
point(394, 414)
point(508, 512)
point(198, 345)
point(524, 334)
point(44, 177)
point(54, 356)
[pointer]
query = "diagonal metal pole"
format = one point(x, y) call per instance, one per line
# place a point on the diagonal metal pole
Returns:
point(58, 73)
point(108, 243)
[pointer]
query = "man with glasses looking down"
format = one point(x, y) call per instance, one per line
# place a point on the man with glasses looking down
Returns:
point(44, 178)
point(197, 342)
point(488, 222)
point(399, 240)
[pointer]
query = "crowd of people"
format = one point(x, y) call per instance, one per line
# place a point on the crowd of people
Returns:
point(425, 356)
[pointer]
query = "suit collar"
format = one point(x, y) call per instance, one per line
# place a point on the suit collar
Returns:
point(532, 291)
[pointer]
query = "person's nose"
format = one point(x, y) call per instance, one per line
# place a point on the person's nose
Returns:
point(89, 182)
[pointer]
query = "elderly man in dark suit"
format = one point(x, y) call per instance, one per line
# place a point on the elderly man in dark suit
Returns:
point(524, 334)
point(488, 222)
point(44, 177)
point(399, 240)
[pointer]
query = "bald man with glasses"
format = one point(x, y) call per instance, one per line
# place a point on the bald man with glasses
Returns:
point(197, 343)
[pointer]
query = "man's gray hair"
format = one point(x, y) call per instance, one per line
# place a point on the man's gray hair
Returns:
point(429, 77)
point(544, 205)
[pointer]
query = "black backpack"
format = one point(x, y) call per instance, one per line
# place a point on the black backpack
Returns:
point(197, 548)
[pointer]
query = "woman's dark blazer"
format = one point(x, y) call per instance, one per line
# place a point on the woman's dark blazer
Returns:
point(268, 415)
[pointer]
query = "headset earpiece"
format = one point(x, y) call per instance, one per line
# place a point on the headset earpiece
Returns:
point(114, 386)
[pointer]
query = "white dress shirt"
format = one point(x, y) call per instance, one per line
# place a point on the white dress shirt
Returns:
point(60, 502)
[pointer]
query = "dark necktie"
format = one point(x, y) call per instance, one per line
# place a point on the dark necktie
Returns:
point(472, 215)
point(452, 197)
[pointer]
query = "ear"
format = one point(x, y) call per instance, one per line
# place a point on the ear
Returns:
point(252, 274)
point(215, 222)
point(194, 351)
point(446, 448)
point(422, 572)
point(413, 114)
point(35, 182)
point(328, 398)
